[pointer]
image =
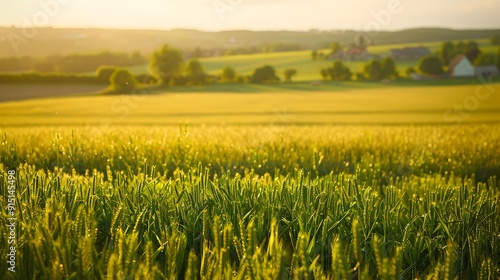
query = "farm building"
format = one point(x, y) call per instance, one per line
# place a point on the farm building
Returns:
point(486, 71)
point(410, 53)
point(352, 53)
point(460, 66)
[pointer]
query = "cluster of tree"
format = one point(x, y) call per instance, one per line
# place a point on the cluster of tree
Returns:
point(229, 76)
point(76, 63)
point(373, 70)
point(438, 64)
point(264, 74)
point(261, 75)
point(105, 72)
point(169, 68)
point(380, 69)
point(449, 50)
point(337, 72)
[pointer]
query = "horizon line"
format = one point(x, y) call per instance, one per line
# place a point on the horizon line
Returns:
point(248, 30)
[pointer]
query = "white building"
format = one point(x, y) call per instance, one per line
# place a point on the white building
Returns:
point(460, 66)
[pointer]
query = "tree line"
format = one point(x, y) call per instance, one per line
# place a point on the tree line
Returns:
point(438, 63)
point(75, 63)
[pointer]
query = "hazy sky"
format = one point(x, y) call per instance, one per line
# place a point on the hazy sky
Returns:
point(252, 14)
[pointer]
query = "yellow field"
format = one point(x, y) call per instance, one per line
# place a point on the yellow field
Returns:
point(381, 105)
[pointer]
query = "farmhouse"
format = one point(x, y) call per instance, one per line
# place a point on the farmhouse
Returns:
point(486, 71)
point(460, 66)
point(355, 53)
point(409, 53)
point(352, 53)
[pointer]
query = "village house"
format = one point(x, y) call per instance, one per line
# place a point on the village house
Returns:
point(460, 67)
point(409, 53)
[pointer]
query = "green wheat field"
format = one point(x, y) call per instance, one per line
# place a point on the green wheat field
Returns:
point(351, 181)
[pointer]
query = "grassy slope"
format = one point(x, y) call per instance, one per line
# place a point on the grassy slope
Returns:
point(333, 103)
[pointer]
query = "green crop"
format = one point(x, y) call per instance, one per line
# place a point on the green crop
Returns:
point(311, 202)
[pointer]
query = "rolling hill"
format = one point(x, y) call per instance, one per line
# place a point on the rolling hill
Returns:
point(52, 41)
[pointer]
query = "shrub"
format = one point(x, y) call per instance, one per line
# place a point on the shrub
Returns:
point(430, 65)
point(122, 81)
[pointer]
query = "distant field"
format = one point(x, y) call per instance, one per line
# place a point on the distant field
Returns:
point(22, 92)
point(306, 67)
point(332, 103)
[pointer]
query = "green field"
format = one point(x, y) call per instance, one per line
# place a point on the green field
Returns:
point(354, 180)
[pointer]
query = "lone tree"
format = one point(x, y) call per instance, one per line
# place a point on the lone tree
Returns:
point(195, 72)
point(373, 70)
point(166, 63)
point(122, 81)
point(314, 54)
point(389, 69)
point(430, 65)
point(289, 73)
point(264, 74)
point(335, 47)
point(228, 75)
